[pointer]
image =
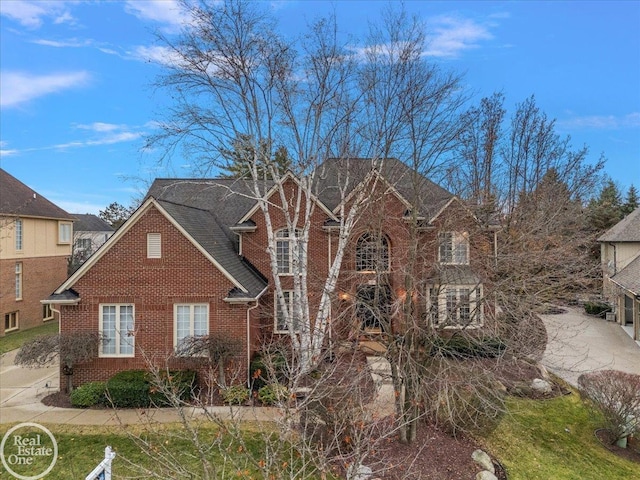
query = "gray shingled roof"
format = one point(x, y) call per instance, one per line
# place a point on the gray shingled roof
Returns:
point(629, 277)
point(626, 230)
point(418, 190)
point(88, 222)
point(16, 199)
point(206, 229)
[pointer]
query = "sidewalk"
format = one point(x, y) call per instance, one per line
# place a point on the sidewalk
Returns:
point(579, 343)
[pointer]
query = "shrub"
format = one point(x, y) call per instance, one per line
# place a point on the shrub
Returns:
point(137, 388)
point(460, 346)
point(235, 395)
point(268, 367)
point(88, 394)
point(596, 308)
point(273, 394)
point(129, 389)
point(617, 395)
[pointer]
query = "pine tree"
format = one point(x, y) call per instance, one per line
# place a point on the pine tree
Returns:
point(631, 202)
point(239, 159)
point(606, 210)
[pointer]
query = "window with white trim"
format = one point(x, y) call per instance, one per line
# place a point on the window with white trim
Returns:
point(47, 312)
point(284, 251)
point(453, 248)
point(64, 232)
point(154, 245)
point(189, 320)
point(372, 253)
point(281, 325)
point(117, 325)
point(18, 233)
point(18, 281)
point(11, 321)
point(456, 305)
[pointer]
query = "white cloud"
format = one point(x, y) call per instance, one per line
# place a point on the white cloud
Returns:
point(602, 122)
point(109, 139)
point(72, 42)
point(155, 54)
point(17, 88)
point(31, 13)
point(449, 36)
point(101, 127)
point(168, 12)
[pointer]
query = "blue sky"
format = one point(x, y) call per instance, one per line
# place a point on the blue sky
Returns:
point(76, 99)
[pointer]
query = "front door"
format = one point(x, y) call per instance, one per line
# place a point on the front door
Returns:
point(373, 307)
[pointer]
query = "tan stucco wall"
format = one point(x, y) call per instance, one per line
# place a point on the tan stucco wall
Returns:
point(39, 239)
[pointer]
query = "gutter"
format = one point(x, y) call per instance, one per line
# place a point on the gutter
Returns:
point(249, 343)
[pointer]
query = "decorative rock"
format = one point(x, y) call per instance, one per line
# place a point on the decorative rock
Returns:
point(484, 460)
point(485, 475)
point(541, 386)
point(359, 472)
point(544, 373)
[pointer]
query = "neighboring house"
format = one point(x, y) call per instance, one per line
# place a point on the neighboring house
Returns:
point(192, 260)
point(35, 244)
point(90, 232)
point(620, 253)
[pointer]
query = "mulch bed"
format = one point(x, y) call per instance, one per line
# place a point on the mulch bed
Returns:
point(57, 399)
point(632, 452)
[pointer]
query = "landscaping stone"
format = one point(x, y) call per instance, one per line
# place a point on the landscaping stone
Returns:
point(486, 475)
point(542, 386)
point(484, 460)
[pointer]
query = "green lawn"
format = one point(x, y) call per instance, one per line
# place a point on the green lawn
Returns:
point(554, 439)
point(14, 340)
point(81, 448)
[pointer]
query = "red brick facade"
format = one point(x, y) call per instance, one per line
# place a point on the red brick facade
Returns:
point(185, 275)
point(40, 277)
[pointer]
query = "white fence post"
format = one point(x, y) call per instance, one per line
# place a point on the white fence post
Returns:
point(103, 470)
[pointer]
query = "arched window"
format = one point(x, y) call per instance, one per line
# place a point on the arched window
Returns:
point(372, 253)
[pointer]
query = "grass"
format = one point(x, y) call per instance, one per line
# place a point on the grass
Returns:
point(14, 340)
point(540, 440)
point(81, 448)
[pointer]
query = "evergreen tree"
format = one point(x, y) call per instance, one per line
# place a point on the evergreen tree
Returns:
point(239, 159)
point(606, 210)
point(631, 202)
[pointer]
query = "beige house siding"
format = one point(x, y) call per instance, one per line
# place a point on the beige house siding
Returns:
point(43, 267)
point(39, 238)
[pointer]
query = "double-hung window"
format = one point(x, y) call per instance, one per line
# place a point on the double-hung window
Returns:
point(18, 234)
point(117, 325)
point(456, 305)
point(281, 325)
point(64, 232)
point(189, 320)
point(18, 281)
point(284, 250)
point(453, 248)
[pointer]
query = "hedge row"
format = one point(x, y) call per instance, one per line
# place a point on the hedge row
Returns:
point(135, 389)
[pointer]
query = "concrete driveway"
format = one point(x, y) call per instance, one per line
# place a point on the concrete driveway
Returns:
point(579, 343)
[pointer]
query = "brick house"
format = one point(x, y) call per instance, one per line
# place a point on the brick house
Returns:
point(192, 260)
point(35, 244)
point(620, 257)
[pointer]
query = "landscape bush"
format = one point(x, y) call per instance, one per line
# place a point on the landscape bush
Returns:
point(137, 388)
point(597, 308)
point(235, 395)
point(273, 394)
point(617, 396)
point(267, 367)
point(88, 395)
point(459, 346)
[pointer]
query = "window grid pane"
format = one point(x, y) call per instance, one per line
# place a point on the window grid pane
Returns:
point(18, 234)
point(109, 329)
point(126, 329)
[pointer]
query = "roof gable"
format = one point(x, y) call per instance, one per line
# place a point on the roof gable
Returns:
point(19, 200)
point(197, 226)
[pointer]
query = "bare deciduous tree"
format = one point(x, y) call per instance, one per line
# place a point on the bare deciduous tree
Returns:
point(69, 348)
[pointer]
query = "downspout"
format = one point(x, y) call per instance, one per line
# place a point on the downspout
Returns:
point(615, 259)
point(249, 343)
